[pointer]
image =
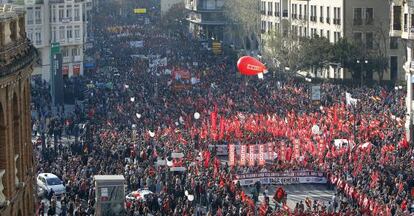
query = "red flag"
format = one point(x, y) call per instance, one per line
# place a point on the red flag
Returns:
point(222, 128)
point(206, 157)
point(263, 209)
point(403, 143)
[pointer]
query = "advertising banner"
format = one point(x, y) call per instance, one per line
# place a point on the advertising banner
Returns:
point(282, 178)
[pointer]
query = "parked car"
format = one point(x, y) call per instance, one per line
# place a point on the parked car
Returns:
point(48, 181)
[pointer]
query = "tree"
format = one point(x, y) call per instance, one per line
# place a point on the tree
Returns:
point(283, 51)
point(244, 19)
point(171, 19)
point(347, 53)
point(379, 54)
point(316, 53)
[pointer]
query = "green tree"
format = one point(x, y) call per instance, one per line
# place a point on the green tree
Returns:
point(347, 53)
point(283, 51)
point(316, 53)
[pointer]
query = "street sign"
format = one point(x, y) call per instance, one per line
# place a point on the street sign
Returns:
point(316, 93)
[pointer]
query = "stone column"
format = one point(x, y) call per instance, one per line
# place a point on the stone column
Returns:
point(2, 196)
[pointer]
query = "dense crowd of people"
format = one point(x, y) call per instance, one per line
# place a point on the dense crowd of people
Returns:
point(133, 117)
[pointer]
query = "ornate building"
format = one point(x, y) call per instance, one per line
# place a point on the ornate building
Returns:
point(17, 56)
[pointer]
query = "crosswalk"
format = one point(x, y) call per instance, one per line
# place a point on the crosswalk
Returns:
point(297, 193)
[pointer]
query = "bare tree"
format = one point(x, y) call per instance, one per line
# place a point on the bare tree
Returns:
point(244, 18)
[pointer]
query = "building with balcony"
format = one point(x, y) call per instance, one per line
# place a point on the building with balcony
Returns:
point(58, 21)
point(17, 56)
point(402, 26)
point(364, 22)
point(206, 18)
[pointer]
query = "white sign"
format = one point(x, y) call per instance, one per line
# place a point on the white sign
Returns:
point(283, 178)
point(316, 93)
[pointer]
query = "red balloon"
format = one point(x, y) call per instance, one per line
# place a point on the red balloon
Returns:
point(250, 66)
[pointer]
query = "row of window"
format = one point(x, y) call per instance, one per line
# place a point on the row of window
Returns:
point(302, 31)
point(66, 33)
point(65, 14)
point(34, 15)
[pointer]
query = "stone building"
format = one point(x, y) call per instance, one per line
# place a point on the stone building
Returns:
point(17, 56)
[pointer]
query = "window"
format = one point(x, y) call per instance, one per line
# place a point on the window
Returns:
point(53, 14)
point(65, 52)
point(61, 14)
point(321, 14)
point(77, 32)
point(313, 13)
point(412, 24)
point(69, 13)
point(328, 35)
point(270, 8)
point(30, 16)
point(358, 37)
point(321, 33)
point(305, 12)
point(337, 36)
point(369, 16)
point(393, 43)
point(357, 16)
point(69, 33)
point(300, 31)
point(30, 35)
point(75, 52)
point(369, 40)
point(300, 11)
point(38, 38)
point(269, 26)
point(54, 34)
point(328, 14)
point(337, 16)
point(38, 18)
point(405, 22)
point(77, 14)
point(397, 18)
point(62, 33)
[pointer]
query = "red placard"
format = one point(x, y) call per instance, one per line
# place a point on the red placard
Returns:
point(261, 155)
point(231, 154)
point(252, 155)
point(243, 150)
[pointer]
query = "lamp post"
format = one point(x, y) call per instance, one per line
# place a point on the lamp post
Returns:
point(361, 65)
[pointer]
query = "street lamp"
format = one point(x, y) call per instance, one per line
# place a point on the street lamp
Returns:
point(361, 65)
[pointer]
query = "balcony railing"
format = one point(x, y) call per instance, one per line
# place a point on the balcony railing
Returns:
point(369, 21)
point(337, 21)
point(313, 18)
point(328, 20)
point(277, 13)
point(321, 19)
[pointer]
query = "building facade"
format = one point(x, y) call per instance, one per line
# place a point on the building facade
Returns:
point(17, 55)
point(206, 18)
point(167, 4)
point(58, 21)
point(361, 21)
point(402, 26)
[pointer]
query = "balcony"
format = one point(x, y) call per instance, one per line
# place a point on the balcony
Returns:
point(409, 35)
point(202, 6)
point(321, 19)
point(270, 13)
point(328, 20)
point(277, 14)
point(313, 18)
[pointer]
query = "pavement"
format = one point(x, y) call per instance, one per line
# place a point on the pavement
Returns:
point(297, 193)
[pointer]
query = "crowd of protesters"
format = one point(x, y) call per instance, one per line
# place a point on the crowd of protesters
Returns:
point(133, 116)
